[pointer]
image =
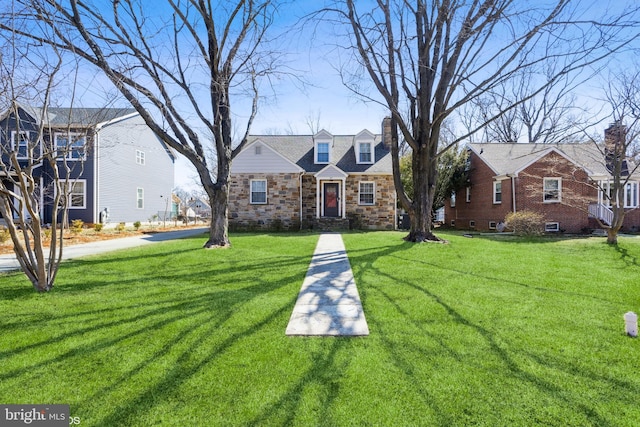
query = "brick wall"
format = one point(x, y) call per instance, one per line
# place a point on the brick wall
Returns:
point(480, 210)
point(576, 194)
point(571, 213)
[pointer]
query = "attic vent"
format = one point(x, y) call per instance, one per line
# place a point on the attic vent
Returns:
point(258, 150)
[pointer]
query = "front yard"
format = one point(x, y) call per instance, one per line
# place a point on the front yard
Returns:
point(477, 332)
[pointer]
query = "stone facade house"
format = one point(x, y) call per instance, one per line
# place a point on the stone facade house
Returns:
point(320, 181)
point(559, 181)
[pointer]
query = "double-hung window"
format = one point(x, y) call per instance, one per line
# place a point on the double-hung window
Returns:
point(497, 192)
point(258, 192)
point(20, 143)
point(367, 193)
point(322, 152)
point(364, 152)
point(631, 195)
point(71, 145)
point(140, 157)
point(552, 190)
point(140, 198)
point(77, 194)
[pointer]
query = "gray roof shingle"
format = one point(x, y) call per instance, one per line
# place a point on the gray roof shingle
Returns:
point(299, 150)
point(78, 117)
point(510, 158)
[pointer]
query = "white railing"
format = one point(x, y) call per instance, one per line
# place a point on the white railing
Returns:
point(602, 212)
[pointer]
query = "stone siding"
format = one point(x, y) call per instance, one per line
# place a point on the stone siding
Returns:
point(380, 215)
point(281, 212)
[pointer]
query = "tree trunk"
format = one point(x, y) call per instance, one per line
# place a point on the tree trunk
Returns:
point(424, 185)
point(612, 236)
point(219, 225)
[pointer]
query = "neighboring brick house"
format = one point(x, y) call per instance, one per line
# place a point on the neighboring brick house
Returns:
point(320, 181)
point(117, 165)
point(559, 181)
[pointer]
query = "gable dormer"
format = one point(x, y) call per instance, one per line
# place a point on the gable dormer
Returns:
point(363, 145)
point(322, 145)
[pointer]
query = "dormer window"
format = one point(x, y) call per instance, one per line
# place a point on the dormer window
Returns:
point(322, 152)
point(364, 152)
point(363, 147)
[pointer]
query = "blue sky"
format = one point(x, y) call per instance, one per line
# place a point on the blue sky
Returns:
point(290, 105)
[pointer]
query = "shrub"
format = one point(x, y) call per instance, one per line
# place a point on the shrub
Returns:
point(525, 223)
point(120, 226)
point(98, 227)
point(137, 225)
point(76, 226)
point(4, 235)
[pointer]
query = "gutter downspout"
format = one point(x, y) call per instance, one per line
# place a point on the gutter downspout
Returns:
point(513, 192)
point(301, 173)
point(96, 174)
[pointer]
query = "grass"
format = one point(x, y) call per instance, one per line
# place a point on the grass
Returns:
point(477, 332)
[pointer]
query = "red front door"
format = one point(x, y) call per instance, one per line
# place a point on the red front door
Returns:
point(331, 199)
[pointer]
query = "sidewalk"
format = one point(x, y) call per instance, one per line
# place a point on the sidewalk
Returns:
point(9, 262)
point(328, 303)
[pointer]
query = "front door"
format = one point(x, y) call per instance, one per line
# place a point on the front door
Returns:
point(331, 199)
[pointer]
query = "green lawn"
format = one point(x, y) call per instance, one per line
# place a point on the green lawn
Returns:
point(495, 332)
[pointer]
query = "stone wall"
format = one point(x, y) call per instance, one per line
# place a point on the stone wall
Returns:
point(281, 212)
point(380, 215)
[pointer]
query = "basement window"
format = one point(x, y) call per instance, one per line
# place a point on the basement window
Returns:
point(552, 227)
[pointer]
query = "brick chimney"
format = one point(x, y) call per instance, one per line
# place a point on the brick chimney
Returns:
point(386, 132)
point(615, 137)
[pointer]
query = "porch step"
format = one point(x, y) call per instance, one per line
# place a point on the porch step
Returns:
point(331, 224)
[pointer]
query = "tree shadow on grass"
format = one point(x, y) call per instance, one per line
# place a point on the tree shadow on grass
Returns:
point(498, 348)
point(323, 370)
point(202, 295)
point(182, 369)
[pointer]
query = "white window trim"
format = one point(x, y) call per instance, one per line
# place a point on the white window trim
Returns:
point(315, 152)
point(468, 195)
point(544, 186)
point(138, 198)
point(495, 184)
point(493, 225)
point(84, 193)
point(371, 152)
point(68, 153)
point(472, 223)
point(140, 158)
point(452, 200)
point(551, 227)
point(14, 140)
point(266, 192)
point(373, 190)
point(626, 199)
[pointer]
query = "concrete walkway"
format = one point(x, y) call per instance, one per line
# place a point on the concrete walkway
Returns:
point(9, 262)
point(328, 303)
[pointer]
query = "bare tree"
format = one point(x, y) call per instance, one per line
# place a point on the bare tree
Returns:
point(621, 150)
point(552, 116)
point(33, 175)
point(178, 63)
point(428, 59)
